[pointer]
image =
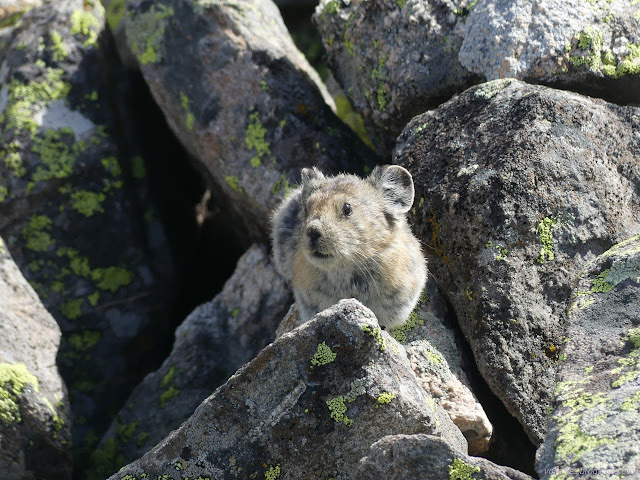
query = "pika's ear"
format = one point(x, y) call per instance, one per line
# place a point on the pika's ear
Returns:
point(396, 186)
point(309, 174)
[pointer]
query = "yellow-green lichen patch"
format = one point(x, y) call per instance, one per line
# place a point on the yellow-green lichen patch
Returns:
point(332, 6)
point(385, 398)
point(281, 184)
point(84, 340)
point(13, 378)
point(25, 100)
point(71, 308)
point(273, 473)
point(112, 166)
point(323, 355)
point(184, 101)
point(546, 239)
point(87, 203)
point(381, 91)
point(4, 191)
point(376, 332)
point(115, 12)
point(492, 88)
point(11, 157)
point(147, 31)
point(36, 233)
point(460, 470)
point(86, 24)
point(169, 389)
point(337, 410)
point(400, 332)
point(629, 369)
point(111, 278)
point(591, 41)
point(254, 139)
point(57, 157)
point(58, 50)
point(234, 183)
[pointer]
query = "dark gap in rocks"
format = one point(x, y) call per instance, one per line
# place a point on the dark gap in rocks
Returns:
point(510, 445)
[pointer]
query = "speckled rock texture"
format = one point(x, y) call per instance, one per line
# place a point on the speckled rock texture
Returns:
point(74, 211)
point(595, 418)
point(308, 406)
point(398, 58)
point(425, 457)
point(518, 186)
point(35, 431)
point(214, 341)
point(241, 98)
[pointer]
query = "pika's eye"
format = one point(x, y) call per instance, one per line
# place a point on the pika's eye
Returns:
point(347, 210)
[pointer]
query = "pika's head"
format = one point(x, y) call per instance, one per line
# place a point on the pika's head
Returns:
point(347, 220)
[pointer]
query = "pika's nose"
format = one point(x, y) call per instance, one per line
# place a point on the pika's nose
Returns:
point(314, 234)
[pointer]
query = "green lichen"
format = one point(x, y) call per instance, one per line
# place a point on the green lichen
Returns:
point(85, 23)
point(84, 340)
point(4, 191)
point(36, 233)
point(13, 378)
point(273, 473)
point(71, 308)
point(184, 101)
point(142, 439)
point(490, 89)
point(460, 470)
point(591, 40)
point(632, 403)
point(87, 203)
point(546, 239)
point(234, 183)
point(330, 8)
point(376, 333)
point(280, 185)
point(168, 395)
point(93, 298)
point(337, 409)
point(111, 278)
point(323, 355)
point(11, 156)
point(58, 154)
point(378, 75)
point(24, 100)
point(385, 397)
point(255, 140)
point(115, 12)
point(112, 166)
point(147, 31)
point(400, 332)
point(58, 50)
point(138, 169)
point(630, 65)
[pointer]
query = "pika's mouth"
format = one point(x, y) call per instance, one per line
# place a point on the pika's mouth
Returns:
point(317, 254)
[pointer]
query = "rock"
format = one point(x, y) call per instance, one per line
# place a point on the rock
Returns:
point(241, 98)
point(594, 427)
point(518, 186)
point(211, 344)
point(13, 9)
point(434, 357)
point(425, 457)
point(397, 58)
point(308, 406)
point(35, 432)
point(74, 209)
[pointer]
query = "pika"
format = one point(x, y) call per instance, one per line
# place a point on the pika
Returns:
point(347, 237)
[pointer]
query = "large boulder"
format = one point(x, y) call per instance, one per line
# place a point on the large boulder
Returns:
point(241, 98)
point(214, 341)
point(518, 186)
point(594, 425)
point(35, 431)
point(425, 457)
point(308, 406)
point(397, 58)
point(74, 209)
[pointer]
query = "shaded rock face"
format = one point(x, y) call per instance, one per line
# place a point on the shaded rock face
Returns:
point(74, 210)
point(517, 187)
point(595, 417)
point(211, 344)
point(425, 457)
point(241, 98)
point(35, 432)
point(308, 406)
point(396, 59)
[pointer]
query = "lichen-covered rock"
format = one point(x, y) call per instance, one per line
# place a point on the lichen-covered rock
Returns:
point(73, 208)
point(214, 341)
point(241, 98)
point(435, 359)
point(394, 58)
point(595, 418)
point(308, 406)
point(35, 432)
point(518, 186)
point(397, 58)
point(425, 457)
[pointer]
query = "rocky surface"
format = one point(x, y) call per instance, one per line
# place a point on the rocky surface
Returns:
point(308, 406)
point(595, 418)
point(518, 186)
point(396, 59)
point(241, 98)
point(425, 457)
point(214, 341)
point(35, 433)
point(74, 209)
